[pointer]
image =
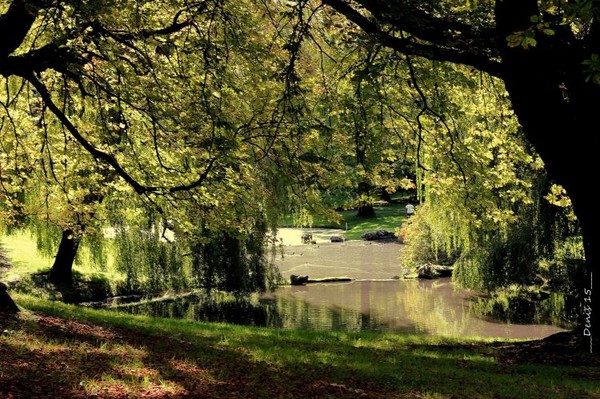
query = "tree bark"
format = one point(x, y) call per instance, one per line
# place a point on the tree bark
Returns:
point(556, 107)
point(15, 24)
point(384, 195)
point(62, 269)
point(7, 305)
point(365, 211)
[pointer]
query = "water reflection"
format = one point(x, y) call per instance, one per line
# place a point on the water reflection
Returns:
point(406, 306)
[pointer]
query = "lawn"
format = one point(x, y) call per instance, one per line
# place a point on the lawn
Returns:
point(23, 254)
point(387, 218)
point(26, 261)
point(58, 351)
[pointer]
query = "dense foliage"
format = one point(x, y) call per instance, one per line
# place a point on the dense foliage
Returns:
point(186, 106)
point(212, 118)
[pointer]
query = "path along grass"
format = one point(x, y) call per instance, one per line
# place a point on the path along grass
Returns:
point(58, 350)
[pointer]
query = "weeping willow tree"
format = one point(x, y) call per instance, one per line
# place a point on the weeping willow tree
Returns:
point(488, 205)
point(150, 264)
point(186, 108)
point(474, 168)
point(233, 261)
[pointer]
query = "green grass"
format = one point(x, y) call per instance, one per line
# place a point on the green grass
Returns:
point(22, 251)
point(271, 363)
point(386, 218)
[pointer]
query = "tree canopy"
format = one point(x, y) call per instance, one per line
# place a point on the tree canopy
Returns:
point(220, 115)
point(546, 52)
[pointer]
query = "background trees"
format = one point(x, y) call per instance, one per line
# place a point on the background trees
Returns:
point(543, 51)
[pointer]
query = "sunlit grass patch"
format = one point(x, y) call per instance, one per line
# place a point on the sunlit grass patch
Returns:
point(21, 249)
point(111, 385)
point(108, 354)
point(30, 269)
point(386, 218)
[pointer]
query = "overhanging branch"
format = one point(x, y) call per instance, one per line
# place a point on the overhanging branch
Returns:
point(89, 147)
point(50, 56)
point(107, 158)
point(14, 25)
point(441, 51)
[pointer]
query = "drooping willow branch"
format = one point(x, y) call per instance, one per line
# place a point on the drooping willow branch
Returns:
point(108, 158)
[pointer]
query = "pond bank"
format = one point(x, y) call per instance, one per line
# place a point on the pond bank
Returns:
point(67, 351)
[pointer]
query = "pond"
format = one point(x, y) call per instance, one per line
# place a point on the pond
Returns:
point(429, 307)
point(372, 302)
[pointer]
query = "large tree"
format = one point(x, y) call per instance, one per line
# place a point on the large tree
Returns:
point(547, 54)
point(175, 97)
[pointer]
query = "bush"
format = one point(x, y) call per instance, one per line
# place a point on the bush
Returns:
point(85, 288)
point(424, 243)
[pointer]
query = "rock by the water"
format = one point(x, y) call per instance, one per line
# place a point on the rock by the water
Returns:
point(306, 238)
point(330, 280)
point(298, 280)
point(336, 239)
point(379, 235)
point(430, 271)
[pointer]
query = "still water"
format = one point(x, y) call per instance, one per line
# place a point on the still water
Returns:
point(428, 307)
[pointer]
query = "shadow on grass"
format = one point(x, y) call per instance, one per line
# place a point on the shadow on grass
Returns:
point(85, 287)
point(52, 357)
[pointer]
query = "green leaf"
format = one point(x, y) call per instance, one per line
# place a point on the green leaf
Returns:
point(548, 31)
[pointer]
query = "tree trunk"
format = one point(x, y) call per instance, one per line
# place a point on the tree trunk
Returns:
point(366, 211)
point(7, 305)
point(384, 195)
point(62, 269)
point(557, 107)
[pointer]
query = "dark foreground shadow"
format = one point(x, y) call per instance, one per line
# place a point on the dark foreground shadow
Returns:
point(43, 356)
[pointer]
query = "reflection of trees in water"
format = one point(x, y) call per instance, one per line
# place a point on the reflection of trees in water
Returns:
point(216, 308)
point(514, 308)
point(282, 312)
point(299, 314)
point(357, 306)
point(361, 307)
point(422, 307)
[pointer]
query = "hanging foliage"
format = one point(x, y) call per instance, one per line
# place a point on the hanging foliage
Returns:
point(233, 261)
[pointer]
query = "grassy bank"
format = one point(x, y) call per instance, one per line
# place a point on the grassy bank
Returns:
point(68, 351)
point(25, 258)
point(386, 218)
